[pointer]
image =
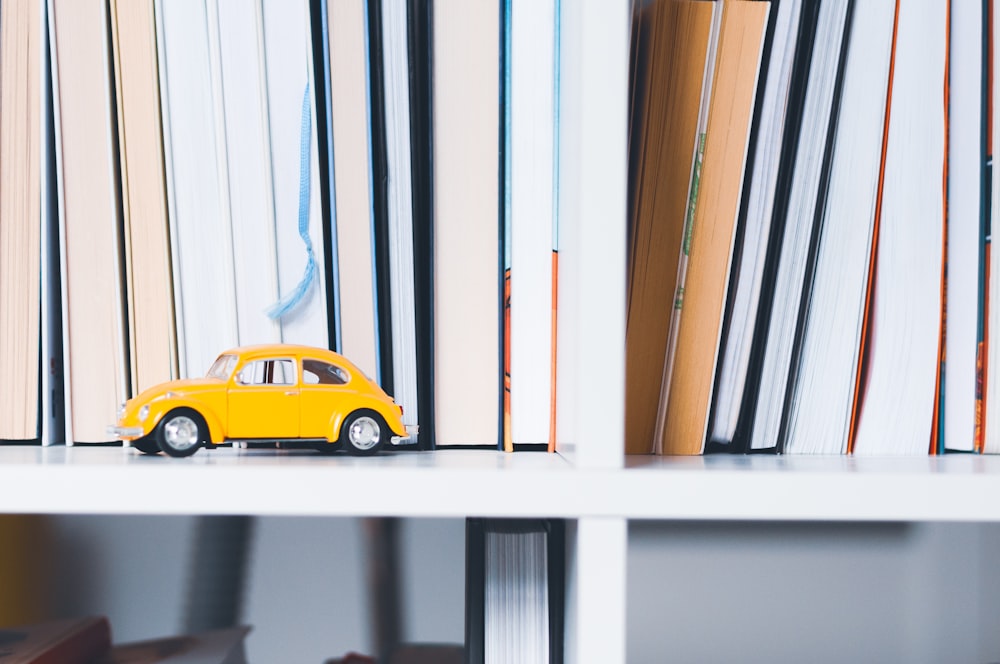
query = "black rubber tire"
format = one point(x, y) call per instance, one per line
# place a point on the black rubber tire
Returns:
point(147, 444)
point(373, 419)
point(176, 451)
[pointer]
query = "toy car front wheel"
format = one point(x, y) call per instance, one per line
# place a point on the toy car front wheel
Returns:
point(363, 432)
point(147, 444)
point(181, 432)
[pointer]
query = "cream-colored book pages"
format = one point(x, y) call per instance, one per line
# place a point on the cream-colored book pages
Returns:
point(152, 336)
point(466, 223)
point(677, 49)
point(352, 181)
point(95, 357)
point(737, 66)
point(20, 218)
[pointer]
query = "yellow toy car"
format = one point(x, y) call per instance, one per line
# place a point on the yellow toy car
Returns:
point(275, 393)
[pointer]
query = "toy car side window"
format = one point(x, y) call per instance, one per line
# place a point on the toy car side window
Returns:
point(315, 372)
point(267, 372)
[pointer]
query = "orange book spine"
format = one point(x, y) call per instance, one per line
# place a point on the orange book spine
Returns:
point(555, 309)
point(508, 439)
point(936, 435)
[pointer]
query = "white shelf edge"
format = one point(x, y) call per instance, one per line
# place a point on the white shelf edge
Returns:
point(459, 483)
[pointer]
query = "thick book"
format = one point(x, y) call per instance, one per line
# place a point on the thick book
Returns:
point(820, 392)
point(708, 244)
point(93, 314)
point(401, 138)
point(672, 55)
point(217, 646)
point(69, 641)
point(466, 245)
point(152, 342)
point(353, 183)
point(22, 236)
point(896, 398)
point(515, 590)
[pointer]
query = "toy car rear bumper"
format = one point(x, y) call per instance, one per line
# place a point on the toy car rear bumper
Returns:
point(409, 439)
point(125, 432)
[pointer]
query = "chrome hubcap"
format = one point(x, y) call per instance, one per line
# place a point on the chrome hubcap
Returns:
point(181, 432)
point(364, 433)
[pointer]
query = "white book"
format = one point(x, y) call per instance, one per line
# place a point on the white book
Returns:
point(799, 224)
point(197, 192)
point(291, 95)
point(819, 420)
point(532, 145)
point(965, 163)
point(248, 167)
point(898, 398)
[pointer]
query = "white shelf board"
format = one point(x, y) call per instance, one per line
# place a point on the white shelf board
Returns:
point(458, 483)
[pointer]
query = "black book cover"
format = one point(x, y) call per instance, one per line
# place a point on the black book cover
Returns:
point(475, 580)
point(324, 139)
point(380, 202)
point(420, 19)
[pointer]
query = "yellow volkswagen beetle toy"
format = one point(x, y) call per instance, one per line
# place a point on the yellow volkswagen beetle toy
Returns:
point(272, 393)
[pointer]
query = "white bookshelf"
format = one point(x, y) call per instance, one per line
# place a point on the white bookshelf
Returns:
point(590, 481)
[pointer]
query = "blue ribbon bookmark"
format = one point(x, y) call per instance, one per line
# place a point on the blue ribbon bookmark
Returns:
point(291, 300)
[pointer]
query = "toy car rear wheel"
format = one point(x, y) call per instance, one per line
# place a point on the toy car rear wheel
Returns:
point(363, 432)
point(181, 432)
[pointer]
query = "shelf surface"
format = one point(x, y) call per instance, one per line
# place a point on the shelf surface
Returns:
point(458, 483)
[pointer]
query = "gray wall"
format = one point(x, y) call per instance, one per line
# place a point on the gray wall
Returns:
point(697, 592)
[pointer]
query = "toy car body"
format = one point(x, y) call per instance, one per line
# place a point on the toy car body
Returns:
point(271, 393)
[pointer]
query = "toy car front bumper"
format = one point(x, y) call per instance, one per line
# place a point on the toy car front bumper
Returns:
point(125, 432)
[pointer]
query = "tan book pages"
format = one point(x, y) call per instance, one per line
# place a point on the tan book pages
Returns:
point(352, 178)
point(740, 42)
point(466, 251)
point(152, 338)
point(678, 47)
point(20, 218)
point(94, 317)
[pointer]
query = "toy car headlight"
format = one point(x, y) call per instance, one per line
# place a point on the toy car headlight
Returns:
point(144, 413)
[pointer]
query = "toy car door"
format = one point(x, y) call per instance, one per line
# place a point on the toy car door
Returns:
point(264, 400)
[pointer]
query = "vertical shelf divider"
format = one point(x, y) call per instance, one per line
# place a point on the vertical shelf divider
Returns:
point(593, 171)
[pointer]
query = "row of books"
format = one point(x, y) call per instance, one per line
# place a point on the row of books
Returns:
point(182, 177)
point(811, 195)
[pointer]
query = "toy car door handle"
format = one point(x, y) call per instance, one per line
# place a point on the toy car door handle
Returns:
point(290, 393)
